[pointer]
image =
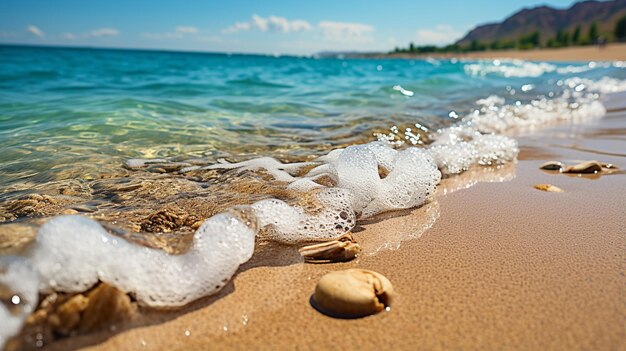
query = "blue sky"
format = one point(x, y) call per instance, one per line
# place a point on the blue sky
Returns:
point(270, 26)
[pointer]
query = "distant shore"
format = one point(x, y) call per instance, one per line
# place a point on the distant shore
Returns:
point(611, 52)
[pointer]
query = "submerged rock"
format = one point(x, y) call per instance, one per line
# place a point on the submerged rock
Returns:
point(352, 293)
point(107, 305)
point(14, 237)
point(61, 314)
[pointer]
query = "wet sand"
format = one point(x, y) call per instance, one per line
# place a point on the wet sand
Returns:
point(493, 264)
point(610, 52)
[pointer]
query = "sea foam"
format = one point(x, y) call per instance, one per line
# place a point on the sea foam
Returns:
point(19, 279)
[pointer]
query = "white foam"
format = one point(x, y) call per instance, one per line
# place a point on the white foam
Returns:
point(411, 179)
point(494, 150)
point(454, 158)
point(604, 85)
point(72, 253)
point(496, 117)
point(291, 224)
point(509, 68)
point(21, 280)
point(410, 183)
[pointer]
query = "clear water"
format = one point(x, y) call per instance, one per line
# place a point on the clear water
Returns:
point(67, 113)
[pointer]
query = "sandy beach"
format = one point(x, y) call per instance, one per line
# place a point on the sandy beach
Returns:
point(490, 263)
point(610, 52)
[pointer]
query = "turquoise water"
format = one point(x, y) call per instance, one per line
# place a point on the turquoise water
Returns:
point(67, 113)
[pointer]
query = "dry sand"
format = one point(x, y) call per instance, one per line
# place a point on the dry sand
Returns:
point(610, 52)
point(502, 266)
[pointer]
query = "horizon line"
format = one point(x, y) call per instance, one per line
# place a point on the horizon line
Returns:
point(164, 50)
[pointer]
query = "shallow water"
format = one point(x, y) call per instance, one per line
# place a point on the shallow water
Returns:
point(76, 113)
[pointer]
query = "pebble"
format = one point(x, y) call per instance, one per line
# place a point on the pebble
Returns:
point(352, 293)
point(548, 187)
point(552, 166)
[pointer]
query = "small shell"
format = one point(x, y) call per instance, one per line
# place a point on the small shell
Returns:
point(343, 249)
point(584, 167)
point(352, 293)
point(552, 166)
point(548, 187)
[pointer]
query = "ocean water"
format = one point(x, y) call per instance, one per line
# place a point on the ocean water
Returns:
point(67, 113)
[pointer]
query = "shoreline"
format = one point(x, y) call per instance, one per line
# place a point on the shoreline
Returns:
point(612, 52)
point(498, 264)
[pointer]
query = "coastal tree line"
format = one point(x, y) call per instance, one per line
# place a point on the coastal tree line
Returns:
point(533, 40)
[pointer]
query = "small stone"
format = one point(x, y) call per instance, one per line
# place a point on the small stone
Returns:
point(552, 166)
point(352, 293)
point(584, 167)
point(548, 187)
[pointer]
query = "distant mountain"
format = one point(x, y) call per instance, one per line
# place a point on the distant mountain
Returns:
point(548, 21)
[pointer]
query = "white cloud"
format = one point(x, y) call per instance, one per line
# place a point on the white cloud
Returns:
point(35, 31)
point(237, 27)
point(68, 36)
point(271, 23)
point(178, 33)
point(96, 33)
point(441, 34)
point(346, 31)
point(103, 32)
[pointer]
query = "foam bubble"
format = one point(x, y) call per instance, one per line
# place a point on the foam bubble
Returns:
point(72, 253)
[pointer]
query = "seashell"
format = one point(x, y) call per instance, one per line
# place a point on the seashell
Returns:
point(548, 187)
point(552, 166)
point(352, 293)
point(584, 167)
point(345, 248)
